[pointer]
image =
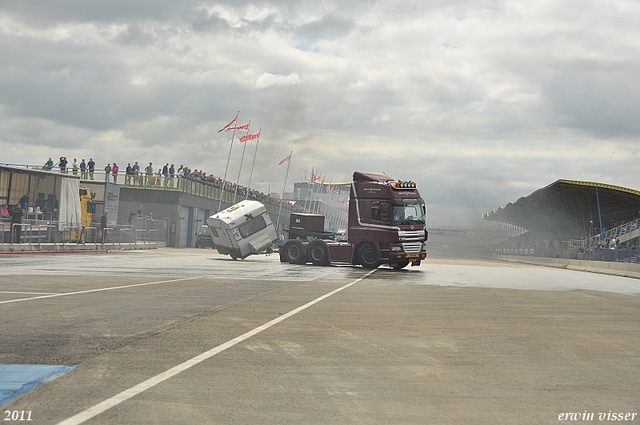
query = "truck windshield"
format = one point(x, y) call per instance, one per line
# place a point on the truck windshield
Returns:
point(408, 214)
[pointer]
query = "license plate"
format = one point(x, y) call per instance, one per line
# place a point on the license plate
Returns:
point(413, 255)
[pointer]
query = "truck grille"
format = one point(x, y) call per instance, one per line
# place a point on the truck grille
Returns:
point(412, 247)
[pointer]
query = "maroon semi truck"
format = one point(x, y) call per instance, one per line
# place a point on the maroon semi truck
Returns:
point(387, 224)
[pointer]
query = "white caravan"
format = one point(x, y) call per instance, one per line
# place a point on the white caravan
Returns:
point(242, 229)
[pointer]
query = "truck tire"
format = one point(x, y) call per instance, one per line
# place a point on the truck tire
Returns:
point(294, 252)
point(318, 252)
point(368, 256)
point(399, 265)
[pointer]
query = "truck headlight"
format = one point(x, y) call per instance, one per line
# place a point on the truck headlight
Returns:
point(396, 248)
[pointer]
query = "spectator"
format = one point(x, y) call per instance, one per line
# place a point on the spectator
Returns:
point(136, 174)
point(172, 171)
point(75, 167)
point(16, 218)
point(107, 171)
point(149, 171)
point(83, 170)
point(114, 171)
point(129, 173)
point(24, 202)
point(131, 215)
point(48, 165)
point(91, 166)
point(63, 164)
point(103, 226)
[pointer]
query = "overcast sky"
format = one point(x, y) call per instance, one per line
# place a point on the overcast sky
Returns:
point(478, 101)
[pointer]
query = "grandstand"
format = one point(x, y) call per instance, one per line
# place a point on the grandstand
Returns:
point(573, 219)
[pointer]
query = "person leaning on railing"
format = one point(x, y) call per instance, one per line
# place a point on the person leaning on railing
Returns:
point(48, 165)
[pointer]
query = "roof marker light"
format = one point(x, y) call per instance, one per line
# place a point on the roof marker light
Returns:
point(405, 185)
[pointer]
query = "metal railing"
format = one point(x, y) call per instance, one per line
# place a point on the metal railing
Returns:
point(52, 235)
point(599, 238)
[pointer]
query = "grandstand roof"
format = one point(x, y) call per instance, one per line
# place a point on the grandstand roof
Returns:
point(571, 208)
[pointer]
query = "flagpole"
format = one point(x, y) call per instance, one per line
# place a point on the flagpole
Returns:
point(241, 160)
point(318, 197)
point(254, 163)
point(282, 197)
point(224, 179)
point(307, 201)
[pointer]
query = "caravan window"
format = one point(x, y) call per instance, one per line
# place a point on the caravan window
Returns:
point(251, 227)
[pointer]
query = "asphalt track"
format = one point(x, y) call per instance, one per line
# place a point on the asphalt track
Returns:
point(188, 336)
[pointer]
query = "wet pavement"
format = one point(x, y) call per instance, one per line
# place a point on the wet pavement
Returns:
point(451, 341)
point(209, 264)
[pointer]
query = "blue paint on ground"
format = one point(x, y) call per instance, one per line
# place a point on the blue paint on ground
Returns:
point(17, 379)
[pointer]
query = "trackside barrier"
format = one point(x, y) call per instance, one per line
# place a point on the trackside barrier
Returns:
point(613, 268)
point(88, 233)
point(55, 236)
point(620, 255)
point(22, 227)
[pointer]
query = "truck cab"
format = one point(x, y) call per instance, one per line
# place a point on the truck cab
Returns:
point(387, 221)
point(387, 224)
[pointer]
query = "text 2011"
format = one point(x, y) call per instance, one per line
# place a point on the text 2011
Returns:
point(17, 415)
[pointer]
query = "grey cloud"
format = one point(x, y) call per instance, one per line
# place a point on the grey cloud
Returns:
point(329, 26)
point(203, 21)
point(134, 35)
point(595, 97)
point(50, 12)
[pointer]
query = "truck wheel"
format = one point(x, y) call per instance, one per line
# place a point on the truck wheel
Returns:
point(294, 252)
point(399, 265)
point(368, 256)
point(318, 252)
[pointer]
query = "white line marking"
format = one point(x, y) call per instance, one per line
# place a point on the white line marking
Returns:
point(152, 382)
point(88, 291)
point(27, 293)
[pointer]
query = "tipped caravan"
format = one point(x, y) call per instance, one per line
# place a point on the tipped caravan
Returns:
point(242, 229)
